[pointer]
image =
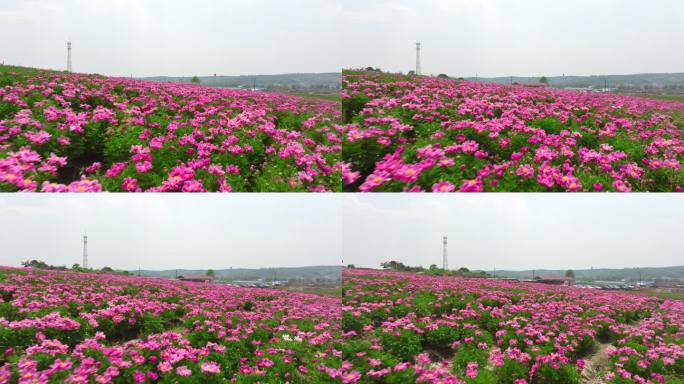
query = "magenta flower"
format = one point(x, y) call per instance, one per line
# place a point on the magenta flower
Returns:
point(526, 171)
point(443, 186)
point(85, 185)
point(471, 370)
point(210, 368)
point(351, 377)
point(183, 371)
point(130, 185)
point(265, 363)
point(143, 167)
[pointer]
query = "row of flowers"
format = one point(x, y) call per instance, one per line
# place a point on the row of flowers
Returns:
point(408, 133)
point(388, 327)
point(82, 328)
point(405, 327)
point(86, 133)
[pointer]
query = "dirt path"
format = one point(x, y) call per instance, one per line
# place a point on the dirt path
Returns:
point(596, 365)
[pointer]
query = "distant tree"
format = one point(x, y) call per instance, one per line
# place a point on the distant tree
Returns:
point(210, 272)
point(388, 264)
point(570, 273)
point(436, 271)
point(443, 76)
point(433, 266)
point(464, 270)
point(351, 266)
point(411, 73)
point(195, 80)
point(399, 266)
point(460, 78)
point(543, 80)
point(394, 265)
point(106, 270)
point(76, 267)
point(35, 264)
point(42, 265)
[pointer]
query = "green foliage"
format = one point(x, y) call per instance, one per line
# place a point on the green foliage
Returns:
point(247, 306)
point(16, 338)
point(585, 346)
point(151, 324)
point(37, 264)
point(352, 106)
point(432, 271)
point(406, 345)
point(468, 353)
point(6, 294)
point(353, 323)
point(9, 311)
point(565, 374)
point(440, 339)
point(484, 376)
point(510, 371)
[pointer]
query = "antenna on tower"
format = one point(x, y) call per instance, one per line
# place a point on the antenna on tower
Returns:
point(69, 56)
point(445, 259)
point(85, 251)
point(418, 70)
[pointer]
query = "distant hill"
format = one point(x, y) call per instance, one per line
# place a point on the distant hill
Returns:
point(309, 82)
point(638, 82)
point(603, 274)
point(314, 273)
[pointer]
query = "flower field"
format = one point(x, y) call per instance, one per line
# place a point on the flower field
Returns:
point(406, 327)
point(72, 132)
point(433, 134)
point(70, 327)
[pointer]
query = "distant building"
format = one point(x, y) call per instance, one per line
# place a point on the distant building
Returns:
point(257, 283)
point(540, 85)
point(671, 284)
point(554, 280)
point(196, 278)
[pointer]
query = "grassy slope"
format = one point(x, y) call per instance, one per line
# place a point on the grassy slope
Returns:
point(679, 98)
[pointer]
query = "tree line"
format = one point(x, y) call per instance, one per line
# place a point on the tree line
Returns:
point(39, 264)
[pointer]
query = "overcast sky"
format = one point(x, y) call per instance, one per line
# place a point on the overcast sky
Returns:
point(515, 231)
point(516, 37)
point(174, 37)
point(155, 231)
point(459, 37)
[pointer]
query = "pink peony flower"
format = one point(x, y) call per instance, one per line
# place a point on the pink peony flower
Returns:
point(210, 368)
